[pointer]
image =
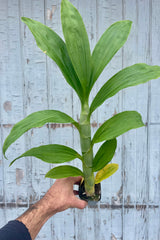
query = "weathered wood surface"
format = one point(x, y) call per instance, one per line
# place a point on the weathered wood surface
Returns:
point(30, 81)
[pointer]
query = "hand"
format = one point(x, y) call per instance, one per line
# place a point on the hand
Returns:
point(61, 195)
point(58, 198)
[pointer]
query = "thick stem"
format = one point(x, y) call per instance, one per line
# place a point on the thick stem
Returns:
point(87, 152)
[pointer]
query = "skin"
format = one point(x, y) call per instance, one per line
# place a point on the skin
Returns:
point(59, 197)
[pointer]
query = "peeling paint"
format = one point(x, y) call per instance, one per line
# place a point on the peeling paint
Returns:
point(104, 222)
point(50, 12)
point(19, 176)
point(33, 199)
point(120, 195)
point(7, 125)
point(53, 9)
point(7, 106)
point(78, 119)
point(115, 112)
point(94, 124)
point(128, 199)
point(113, 237)
point(24, 31)
point(53, 125)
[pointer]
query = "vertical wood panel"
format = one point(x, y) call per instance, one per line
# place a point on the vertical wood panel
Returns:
point(154, 165)
point(154, 224)
point(11, 96)
point(88, 11)
point(11, 72)
point(1, 171)
point(60, 98)
point(135, 142)
point(109, 12)
point(155, 41)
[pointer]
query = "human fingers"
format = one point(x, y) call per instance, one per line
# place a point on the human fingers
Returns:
point(76, 180)
point(77, 203)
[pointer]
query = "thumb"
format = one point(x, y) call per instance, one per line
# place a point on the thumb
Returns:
point(77, 203)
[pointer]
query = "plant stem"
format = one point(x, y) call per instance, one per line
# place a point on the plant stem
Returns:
point(87, 151)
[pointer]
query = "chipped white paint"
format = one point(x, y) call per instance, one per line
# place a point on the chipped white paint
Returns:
point(19, 176)
point(30, 81)
point(113, 237)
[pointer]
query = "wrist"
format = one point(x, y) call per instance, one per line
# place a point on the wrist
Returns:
point(35, 217)
point(47, 207)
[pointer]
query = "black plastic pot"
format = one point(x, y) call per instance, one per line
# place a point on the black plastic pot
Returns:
point(94, 198)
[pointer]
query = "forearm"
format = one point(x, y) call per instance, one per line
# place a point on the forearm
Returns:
point(35, 217)
point(58, 198)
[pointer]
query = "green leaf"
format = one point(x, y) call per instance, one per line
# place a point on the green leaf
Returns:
point(76, 41)
point(104, 154)
point(52, 153)
point(106, 172)
point(130, 76)
point(117, 125)
point(37, 119)
point(110, 42)
point(63, 172)
point(51, 44)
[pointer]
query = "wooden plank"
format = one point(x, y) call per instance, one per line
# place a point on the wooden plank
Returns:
point(135, 224)
point(45, 232)
point(154, 164)
point(107, 13)
point(11, 69)
point(116, 227)
point(88, 13)
point(81, 224)
point(143, 46)
point(60, 97)
point(84, 224)
point(2, 218)
point(154, 224)
point(10, 214)
point(1, 171)
point(35, 93)
point(11, 96)
point(135, 142)
point(135, 98)
point(93, 223)
point(57, 224)
point(105, 219)
point(155, 44)
point(141, 223)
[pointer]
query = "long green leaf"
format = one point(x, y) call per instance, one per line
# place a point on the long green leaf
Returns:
point(76, 41)
point(117, 125)
point(51, 44)
point(106, 172)
point(130, 76)
point(104, 154)
point(52, 153)
point(63, 172)
point(110, 42)
point(37, 119)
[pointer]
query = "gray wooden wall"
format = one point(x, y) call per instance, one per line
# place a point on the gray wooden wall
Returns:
point(30, 81)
